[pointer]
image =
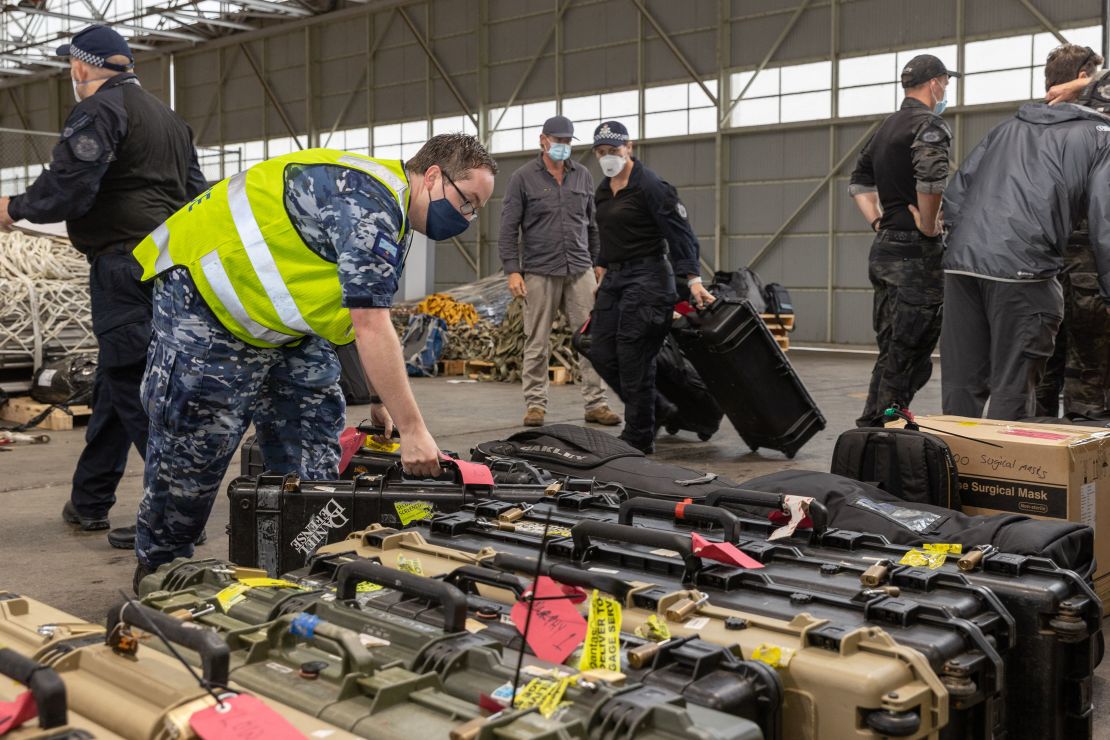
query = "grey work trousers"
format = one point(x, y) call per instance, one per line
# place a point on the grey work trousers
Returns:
point(995, 341)
point(547, 294)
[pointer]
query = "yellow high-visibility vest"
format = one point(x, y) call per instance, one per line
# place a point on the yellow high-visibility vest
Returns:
point(263, 283)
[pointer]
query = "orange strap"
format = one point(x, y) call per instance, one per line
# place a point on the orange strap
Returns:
point(680, 508)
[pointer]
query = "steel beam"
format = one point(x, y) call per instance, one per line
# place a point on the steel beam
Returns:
point(362, 80)
point(179, 35)
point(35, 60)
point(215, 104)
point(766, 59)
point(277, 8)
point(852, 150)
point(439, 67)
point(272, 96)
point(190, 18)
point(1044, 21)
point(465, 254)
point(674, 49)
point(527, 73)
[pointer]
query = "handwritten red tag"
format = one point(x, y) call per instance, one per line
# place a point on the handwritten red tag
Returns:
point(15, 713)
point(556, 628)
point(722, 552)
point(242, 717)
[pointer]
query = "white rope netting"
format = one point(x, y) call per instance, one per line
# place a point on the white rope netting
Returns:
point(44, 300)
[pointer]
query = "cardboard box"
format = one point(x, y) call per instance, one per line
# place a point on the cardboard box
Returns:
point(1046, 471)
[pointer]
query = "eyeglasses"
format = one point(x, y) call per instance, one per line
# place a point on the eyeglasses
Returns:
point(1089, 57)
point(467, 208)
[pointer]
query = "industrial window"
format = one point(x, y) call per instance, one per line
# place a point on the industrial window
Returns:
point(280, 146)
point(518, 127)
point(800, 92)
point(399, 140)
point(453, 125)
point(15, 180)
point(253, 153)
point(588, 111)
point(677, 110)
point(350, 140)
point(873, 83)
point(1012, 68)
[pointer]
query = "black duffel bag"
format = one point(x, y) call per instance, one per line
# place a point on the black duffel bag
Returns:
point(860, 507)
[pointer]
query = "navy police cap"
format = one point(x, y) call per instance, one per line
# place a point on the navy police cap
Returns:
point(95, 45)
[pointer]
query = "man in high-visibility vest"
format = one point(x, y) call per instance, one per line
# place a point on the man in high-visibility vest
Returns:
point(253, 279)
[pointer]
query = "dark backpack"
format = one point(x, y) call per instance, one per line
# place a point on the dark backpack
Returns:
point(860, 507)
point(352, 376)
point(423, 344)
point(778, 301)
point(909, 464)
point(66, 381)
point(742, 284)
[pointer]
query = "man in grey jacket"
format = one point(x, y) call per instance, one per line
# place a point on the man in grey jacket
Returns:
point(549, 245)
point(1010, 210)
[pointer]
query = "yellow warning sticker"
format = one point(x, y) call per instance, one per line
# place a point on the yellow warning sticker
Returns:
point(411, 511)
point(773, 655)
point(269, 583)
point(375, 446)
point(232, 595)
point(920, 558)
point(365, 587)
point(543, 694)
point(410, 565)
point(602, 648)
point(654, 629)
point(938, 547)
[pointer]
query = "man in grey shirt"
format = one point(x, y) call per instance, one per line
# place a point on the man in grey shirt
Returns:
point(549, 246)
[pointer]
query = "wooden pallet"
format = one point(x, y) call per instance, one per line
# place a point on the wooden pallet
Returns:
point(479, 369)
point(22, 409)
point(451, 367)
point(559, 375)
point(776, 326)
point(783, 342)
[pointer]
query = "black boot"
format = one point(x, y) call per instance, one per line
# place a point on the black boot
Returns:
point(123, 538)
point(87, 524)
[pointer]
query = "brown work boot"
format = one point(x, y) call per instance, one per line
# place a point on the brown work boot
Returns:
point(534, 417)
point(603, 415)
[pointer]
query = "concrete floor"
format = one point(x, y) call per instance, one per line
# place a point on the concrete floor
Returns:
point(48, 560)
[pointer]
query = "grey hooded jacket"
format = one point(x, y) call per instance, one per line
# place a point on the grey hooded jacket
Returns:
point(1020, 193)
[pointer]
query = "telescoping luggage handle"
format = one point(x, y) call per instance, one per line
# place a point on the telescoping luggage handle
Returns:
point(447, 596)
point(45, 685)
point(818, 514)
point(565, 574)
point(215, 657)
point(583, 533)
point(695, 513)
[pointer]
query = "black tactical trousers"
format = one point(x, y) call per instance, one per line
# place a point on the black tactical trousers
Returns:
point(996, 340)
point(121, 311)
point(1080, 364)
point(631, 318)
point(904, 268)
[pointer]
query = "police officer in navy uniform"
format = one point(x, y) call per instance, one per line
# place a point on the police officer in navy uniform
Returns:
point(646, 240)
point(898, 184)
point(124, 163)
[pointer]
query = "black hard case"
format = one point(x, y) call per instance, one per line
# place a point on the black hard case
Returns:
point(749, 376)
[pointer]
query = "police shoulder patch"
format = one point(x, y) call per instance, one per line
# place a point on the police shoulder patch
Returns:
point(86, 147)
point(385, 248)
point(681, 209)
point(934, 135)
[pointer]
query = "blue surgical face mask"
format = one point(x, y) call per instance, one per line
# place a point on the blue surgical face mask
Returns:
point(559, 152)
point(942, 103)
point(444, 220)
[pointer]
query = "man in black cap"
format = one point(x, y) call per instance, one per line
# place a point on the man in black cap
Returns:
point(898, 184)
point(124, 164)
point(646, 240)
point(1012, 209)
point(549, 247)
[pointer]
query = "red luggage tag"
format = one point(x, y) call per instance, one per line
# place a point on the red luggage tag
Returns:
point(242, 717)
point(15, 713)
point(683, 308)
point(722, 552)
point(350, 439)
point(556, 628)
point(471, 474)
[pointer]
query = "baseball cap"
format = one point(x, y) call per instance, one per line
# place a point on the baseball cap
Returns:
point(559, 127)
point(923, 68)
point(610, 133)
point(94, 45)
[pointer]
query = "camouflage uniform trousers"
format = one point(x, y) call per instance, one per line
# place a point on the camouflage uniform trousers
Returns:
point(905, 270)
point(201, 389)
point(1080, 364)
